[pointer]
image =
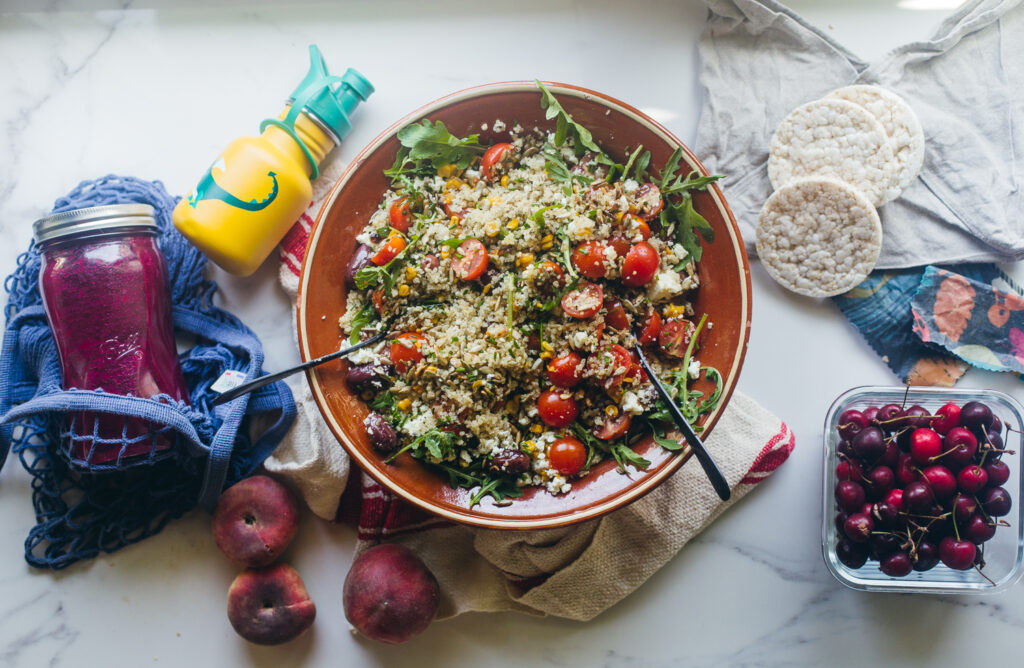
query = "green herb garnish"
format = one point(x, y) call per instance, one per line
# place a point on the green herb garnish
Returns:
point(427, 146)
point(364, 317)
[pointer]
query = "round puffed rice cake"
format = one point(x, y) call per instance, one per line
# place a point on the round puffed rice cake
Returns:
point(901, 125)
point(836, 139)
point(818, 237)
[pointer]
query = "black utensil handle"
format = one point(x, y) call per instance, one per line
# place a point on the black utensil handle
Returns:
point(714, 474)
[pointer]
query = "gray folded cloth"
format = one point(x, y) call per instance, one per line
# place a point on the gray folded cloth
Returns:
point(759, 60)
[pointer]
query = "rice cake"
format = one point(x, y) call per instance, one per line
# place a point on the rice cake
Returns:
point(901, 126)
point(837, 139)
point(818, 237)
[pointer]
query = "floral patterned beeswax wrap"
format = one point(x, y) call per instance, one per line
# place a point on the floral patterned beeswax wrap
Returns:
point(979, 323)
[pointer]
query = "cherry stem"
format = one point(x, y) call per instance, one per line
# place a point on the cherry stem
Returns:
point(977, 567)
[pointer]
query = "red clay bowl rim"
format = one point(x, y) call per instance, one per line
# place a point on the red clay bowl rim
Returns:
point(467, 516)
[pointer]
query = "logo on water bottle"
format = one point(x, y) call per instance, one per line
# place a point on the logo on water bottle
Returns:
point(208, 188)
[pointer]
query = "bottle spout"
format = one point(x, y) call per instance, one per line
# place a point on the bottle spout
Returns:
point(330, 99)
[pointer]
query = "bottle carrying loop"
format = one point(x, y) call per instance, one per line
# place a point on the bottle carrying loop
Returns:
point(288, 124)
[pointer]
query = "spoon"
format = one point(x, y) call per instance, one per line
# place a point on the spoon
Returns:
point(703, 456)
point(246, 388)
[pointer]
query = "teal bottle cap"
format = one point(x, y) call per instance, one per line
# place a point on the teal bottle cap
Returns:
point(330, 99)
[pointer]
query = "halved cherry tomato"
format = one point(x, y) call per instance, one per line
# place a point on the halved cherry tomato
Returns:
point(675, 337)
point(640, 265)
point(378, 300)
point(401, 214)
point(588, 258)
point(566, 370)
point(394, 245)
point(648, 201)
point(583, 302)
point(470, 260)
point(493, 159)
point(633, 223)
point(549, 276)
point(406, 350)
point(615, 316)
point(567, 455)
point(454, 211)
point(651, 328)
point(610, 365)
point(614, 428)
point(620, 244)
point(557, 408)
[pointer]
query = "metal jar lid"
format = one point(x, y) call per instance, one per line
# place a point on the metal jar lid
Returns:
point(93, 219)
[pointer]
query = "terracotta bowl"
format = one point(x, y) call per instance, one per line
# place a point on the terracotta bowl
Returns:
point(724, 295)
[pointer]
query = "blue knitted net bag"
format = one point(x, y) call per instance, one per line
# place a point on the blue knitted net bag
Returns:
point(84, 507)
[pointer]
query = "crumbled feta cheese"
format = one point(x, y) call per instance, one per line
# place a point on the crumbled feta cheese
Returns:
point(629, 185)
point(499, 125)
point(665, 286)
point(364, 356)
point(631, 404)
point(693, 371)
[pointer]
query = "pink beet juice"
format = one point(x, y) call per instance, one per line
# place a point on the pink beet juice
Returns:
point(104, 287)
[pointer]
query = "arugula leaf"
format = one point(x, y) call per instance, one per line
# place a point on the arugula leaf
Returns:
point(436, 443)
point(566, 127)
point(497, 486)
point(429, 144)
point(538, 215)
point(386, 404)
point(624, 454)
point(687, 225)
point(711, 373)
point(452, 243)
point(366, 315)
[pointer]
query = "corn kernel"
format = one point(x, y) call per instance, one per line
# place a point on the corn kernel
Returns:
point(525, 259)
point(403, 290)
point(444, 171)
point(411, 273)
point(454, 221)
point(513, 224)
point(491, 228)
point(453, 184)
point(404, 405)
point(672, 310)
point(611, 411)
point(447, 198)
point(529, 446)
point(504, 181)
point(545, 356)
point(445, 253)
point(477, 384)
point(547, 238)
point(545, 346)
point(537, 429)
point(512, 405)
point(418, 389)
point(486, 289)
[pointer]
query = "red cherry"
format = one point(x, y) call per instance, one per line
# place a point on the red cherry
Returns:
point(905, 471)
point(925, 444)
point(962, 446)
point(957, 554)
point(971, 479)
point(941, 480)
point(948, 417)
point(895, 498)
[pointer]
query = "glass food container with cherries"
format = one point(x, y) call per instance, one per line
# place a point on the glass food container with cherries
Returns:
point(921, 490)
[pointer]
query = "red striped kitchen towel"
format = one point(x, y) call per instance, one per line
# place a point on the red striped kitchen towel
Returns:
point(573, 572)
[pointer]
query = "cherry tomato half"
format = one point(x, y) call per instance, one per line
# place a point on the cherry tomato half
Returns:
point(640, 265)
point(567, 456)
point(610, 365)
point(647, 201)
point(583, 302)
point(557, 408)
point(494, 158)
point(588, 258)
point(621, 244)
point(633, 224)
point(550, 277)
point(675, 337)
point(614, 428)
point(651, 328)
point(470, 260)
point(378, 300)
point(615, 315)
point(566, 370)
point(401, 214)
point(406, 350)
point(394, 245)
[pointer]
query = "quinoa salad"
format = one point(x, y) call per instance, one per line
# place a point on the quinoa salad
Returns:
point(515, 280)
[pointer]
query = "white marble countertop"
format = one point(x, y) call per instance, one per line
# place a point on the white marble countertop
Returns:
point(158, 88)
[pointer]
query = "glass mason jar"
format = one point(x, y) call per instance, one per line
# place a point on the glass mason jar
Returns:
point(104, 286)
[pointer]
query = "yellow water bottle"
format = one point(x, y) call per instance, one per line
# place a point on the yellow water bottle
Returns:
point(259, 186)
